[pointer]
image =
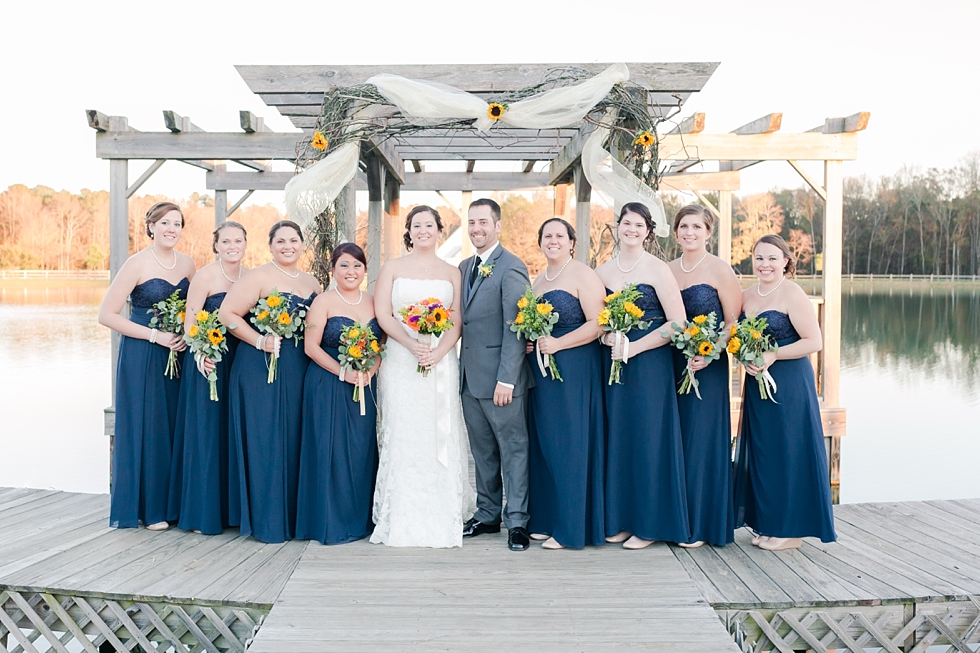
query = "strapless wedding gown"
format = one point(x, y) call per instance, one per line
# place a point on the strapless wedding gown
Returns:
point(423, 494)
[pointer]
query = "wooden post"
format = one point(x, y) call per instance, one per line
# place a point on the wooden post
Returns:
point(466, 245)
point(392, 232)
point(347, 212)
point(220, 207)
point(118, 253)
point(561, 200)
point(376, 186)
point(833, 232)
point(583, 213)
point(724, 227)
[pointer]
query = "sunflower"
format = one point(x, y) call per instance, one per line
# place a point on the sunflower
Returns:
point(273, 301)
point(706, 348)
point(612, 297)
point(604, 316)
point(180, 317)
point(375, 347)
point(522, 303)
point(439, 316)
point(285, 320)
point(633, 310)
point(320, 141)
point(544, 308)
point(734, 345)
point(755, 334)
point(694, 330)
point(732, 331)
point(192, 332)
point(214, 335)
point(644, 139)
point(202, 316)
point(353, 334)
point(519, 319)
point(700, 319)
point(263, 315)
point(496, 111)
point(354, 351)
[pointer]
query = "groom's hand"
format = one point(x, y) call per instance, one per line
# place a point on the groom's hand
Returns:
point(502, 395)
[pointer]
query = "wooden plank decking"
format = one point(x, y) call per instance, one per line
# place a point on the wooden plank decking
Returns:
point(908, 573)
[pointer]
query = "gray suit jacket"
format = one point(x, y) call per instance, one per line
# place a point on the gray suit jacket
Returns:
point(490, 351)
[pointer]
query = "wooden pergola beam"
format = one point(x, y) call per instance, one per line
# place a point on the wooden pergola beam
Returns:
point(252, 123)
point(702, 181)
point(764, 125)
point(417, 181)
point(563, 164)
point(384, 149)
point(693, 124)
point(761, 147)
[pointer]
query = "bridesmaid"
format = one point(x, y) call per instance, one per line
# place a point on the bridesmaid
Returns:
point(200, 491)
point(707, 284)
point(265, 418)
point(646, 499)
point(782, 483)
point(565, 422)
point(146, 400)
point(338, 458)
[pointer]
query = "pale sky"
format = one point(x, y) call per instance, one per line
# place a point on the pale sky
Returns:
point(911, 64)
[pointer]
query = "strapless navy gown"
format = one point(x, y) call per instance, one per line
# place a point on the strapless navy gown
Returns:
point(567, 439)
point(199, 486)
point(146, 414)
point(706, 430)
point(782, 482)
point(264, 426)
point(338, 458)
point(645, 492)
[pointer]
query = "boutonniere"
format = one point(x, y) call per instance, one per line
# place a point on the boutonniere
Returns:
point(486, 270)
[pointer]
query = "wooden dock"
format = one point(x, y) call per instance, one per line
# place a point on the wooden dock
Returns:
point(903, 577)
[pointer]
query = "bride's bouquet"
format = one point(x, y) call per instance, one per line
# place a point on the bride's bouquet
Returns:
point(536, 317)
point(698, 337)
point(272, 317)
point(359, 346)
point(748, 342)
point(206, 338)
point(168, 316)
point(619, 316)
point(427, 318)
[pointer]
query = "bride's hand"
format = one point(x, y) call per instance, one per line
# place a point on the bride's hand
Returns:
point(419, 349)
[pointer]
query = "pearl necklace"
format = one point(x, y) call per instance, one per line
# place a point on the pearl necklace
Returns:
point(222, 268)
point(153, 251)
point(758, 288)
point(634, 265)
point(360, 296)
point(291, 276)
point(695, 267)
point(549, 279)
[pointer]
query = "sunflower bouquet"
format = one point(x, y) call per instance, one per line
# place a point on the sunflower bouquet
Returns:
point(359, 347)
point(619, 315)
point(272, 317)
point(168, 316)
point(206, 338)
point(698, 337)
point(427, 318)
point(536, 317)
point(748, 341)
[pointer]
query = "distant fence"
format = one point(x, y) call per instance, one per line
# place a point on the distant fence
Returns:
point(96, 275)
point(926, 278)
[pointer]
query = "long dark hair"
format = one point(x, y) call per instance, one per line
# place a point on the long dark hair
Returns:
point(642, 211)
point(421, 208)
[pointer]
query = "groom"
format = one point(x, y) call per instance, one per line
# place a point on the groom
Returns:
point(493, 378)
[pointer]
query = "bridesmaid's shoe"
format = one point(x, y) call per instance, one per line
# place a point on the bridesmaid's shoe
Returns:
point(635, 543)
point(692, 545)
point(540, 537)
point(621, 536)
point(758, 539)
point(159, 526)
point(551, 543)
point(781, 543)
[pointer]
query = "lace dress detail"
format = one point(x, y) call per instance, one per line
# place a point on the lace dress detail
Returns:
point(701, 299)
point(423, 493)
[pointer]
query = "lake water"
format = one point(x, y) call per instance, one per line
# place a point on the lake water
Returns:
point(910, 382)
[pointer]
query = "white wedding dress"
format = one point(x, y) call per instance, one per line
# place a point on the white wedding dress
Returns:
point(423, 494)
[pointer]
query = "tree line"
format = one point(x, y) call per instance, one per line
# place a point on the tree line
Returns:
point(911, 222)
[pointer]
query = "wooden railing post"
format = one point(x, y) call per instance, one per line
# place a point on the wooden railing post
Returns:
point(583, 213)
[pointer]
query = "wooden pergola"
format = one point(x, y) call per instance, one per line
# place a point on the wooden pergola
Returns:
point(395, 164)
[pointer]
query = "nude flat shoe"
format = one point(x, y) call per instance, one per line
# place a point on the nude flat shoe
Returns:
point(551, 543)
point(692, 545)
point(621, 536)
point(159, 526)
point(540, 537)
point(758, 539)
point(781, 543)
point(636, 543)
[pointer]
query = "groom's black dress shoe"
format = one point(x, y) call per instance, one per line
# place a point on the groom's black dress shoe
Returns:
point(474, 527)
point(518, 539)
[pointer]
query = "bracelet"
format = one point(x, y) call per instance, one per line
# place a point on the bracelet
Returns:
point(259, 342)
point(153, 336)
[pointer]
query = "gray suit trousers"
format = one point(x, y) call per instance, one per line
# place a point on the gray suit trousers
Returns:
point(498, 433)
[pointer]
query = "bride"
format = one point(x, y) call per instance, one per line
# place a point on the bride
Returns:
point(423, 494)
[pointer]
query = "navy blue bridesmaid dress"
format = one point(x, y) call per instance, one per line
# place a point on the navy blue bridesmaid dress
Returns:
point(706, 430)
point(567, 439)
point(782, 482)
point(146, 414)
point(265, 420)
point(645, 492)
point(199, 487)
point(338, 459)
